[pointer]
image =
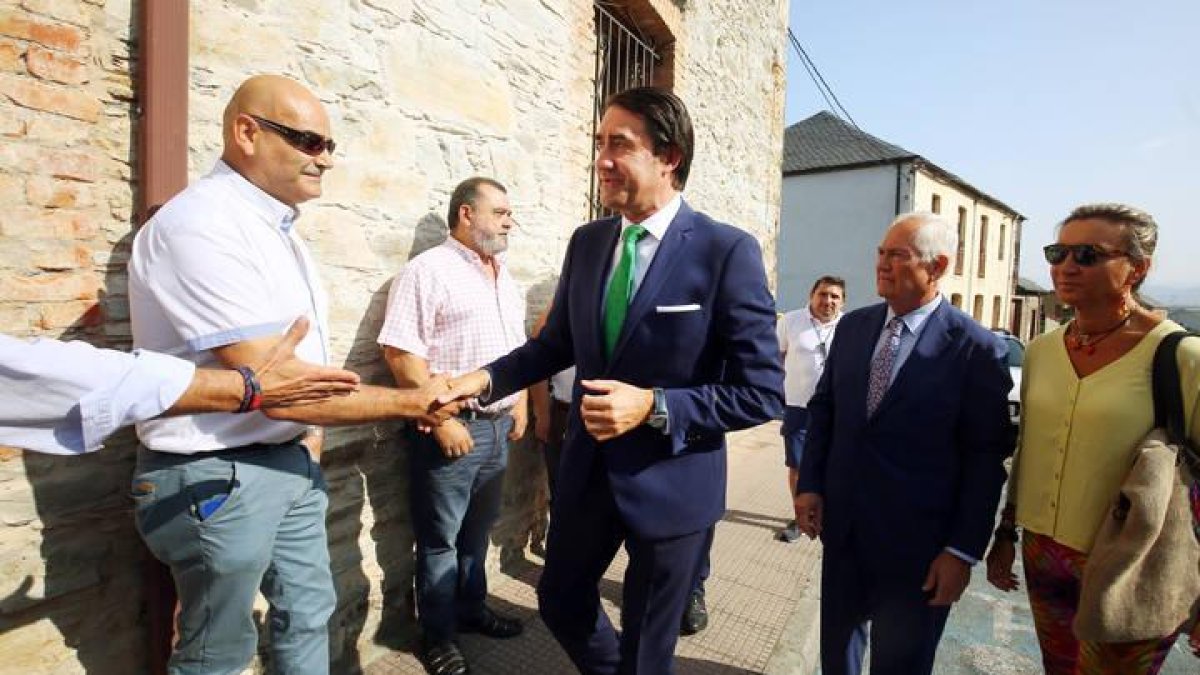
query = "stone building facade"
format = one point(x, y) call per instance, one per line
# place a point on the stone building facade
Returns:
point(422, 95)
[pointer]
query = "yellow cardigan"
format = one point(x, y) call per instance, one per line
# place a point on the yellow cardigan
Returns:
point(1078, 436)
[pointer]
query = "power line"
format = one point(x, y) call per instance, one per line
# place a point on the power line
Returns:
point(819, 80)
point(813, 76)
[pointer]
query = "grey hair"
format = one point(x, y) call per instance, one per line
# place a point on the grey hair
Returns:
point(934, 236)
point(1139, 228)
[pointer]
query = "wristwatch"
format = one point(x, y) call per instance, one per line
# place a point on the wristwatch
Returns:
point(658, 414)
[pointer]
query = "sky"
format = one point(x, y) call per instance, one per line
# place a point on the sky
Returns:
point(1044, 104)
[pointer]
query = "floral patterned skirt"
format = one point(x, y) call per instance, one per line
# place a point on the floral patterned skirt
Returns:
point(1053, 574)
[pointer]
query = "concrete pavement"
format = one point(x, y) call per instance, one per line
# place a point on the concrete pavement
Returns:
point(756, 586)
point(763, 600)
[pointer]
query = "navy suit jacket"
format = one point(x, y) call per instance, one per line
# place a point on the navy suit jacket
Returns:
point(925, 471)
point(718, 364)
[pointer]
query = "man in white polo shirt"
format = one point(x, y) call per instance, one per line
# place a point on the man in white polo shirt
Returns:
point(805, 335)
point(233, 503)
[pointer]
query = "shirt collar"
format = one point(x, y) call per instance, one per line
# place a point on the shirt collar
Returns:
point(916, 318)
point(275, 212)
point(471, 256)
point(658, 222)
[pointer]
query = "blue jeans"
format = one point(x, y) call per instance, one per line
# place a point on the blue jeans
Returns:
point(230, 524)
point(454, 504)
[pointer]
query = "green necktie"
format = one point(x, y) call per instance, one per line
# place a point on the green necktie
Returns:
point(616, 303)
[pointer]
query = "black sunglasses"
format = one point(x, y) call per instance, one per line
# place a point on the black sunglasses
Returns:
point(308, 142)
point(1085, 255)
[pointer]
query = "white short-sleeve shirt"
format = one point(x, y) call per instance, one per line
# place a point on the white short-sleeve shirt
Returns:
point(221, 263)
point(805, 343)
point(65, 398)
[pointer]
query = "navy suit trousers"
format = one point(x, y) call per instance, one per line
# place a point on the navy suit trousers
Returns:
point(580, 546)
point(861, 587)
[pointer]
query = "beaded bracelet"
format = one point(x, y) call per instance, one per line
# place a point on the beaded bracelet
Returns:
point(252, 398)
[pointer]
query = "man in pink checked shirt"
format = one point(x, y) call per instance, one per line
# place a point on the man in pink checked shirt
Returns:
point(451, 310)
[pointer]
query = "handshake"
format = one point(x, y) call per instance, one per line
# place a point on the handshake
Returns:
point(446, 396)
point(608, 408)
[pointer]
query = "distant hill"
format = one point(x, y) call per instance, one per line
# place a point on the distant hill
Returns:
point(1174, 296)
point(1188, 317)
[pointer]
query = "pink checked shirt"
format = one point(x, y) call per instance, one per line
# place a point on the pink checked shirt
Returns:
point(443, 307)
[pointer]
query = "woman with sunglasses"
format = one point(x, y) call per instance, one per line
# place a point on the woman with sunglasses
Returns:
point(1086, 406)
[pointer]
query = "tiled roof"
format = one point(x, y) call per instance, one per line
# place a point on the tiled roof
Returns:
point(1025, 283)
point(824, 141)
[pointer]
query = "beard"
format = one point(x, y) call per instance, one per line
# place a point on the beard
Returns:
point(490, 244)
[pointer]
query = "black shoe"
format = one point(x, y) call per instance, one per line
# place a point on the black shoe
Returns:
point(790, 533)
point(695, 617)
point(492, 625)
point(442, 658)
point(538, 548)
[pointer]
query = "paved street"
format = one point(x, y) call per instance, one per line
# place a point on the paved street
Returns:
point(991, 632)
point(763, 599)
point(757, 583)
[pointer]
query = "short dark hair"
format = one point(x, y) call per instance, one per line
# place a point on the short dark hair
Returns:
point(828, 280)
point(667, 122)
point(466, 193)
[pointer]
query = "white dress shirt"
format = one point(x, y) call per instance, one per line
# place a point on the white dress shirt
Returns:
point(562, 384)
point(805, 343)
point(219, 264)
point(65, 398)
point(656, 228)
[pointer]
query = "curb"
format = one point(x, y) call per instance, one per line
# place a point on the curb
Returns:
point(798, 651)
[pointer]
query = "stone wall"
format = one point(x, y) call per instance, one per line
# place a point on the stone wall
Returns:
point(422, 95)
point(730, 68)
point(70, 590)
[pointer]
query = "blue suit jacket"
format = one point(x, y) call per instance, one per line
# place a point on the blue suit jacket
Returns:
point(718, 364)
point(925, 471)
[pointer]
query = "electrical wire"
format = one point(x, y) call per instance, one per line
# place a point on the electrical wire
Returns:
point(831, 98)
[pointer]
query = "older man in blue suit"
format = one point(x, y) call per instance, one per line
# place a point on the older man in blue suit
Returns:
point(667, 317)
point(903, 465)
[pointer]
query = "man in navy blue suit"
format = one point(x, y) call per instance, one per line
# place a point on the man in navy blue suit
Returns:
point(903, 464)
point(667, 317)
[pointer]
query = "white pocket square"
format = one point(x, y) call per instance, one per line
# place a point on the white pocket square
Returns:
point(674, 309)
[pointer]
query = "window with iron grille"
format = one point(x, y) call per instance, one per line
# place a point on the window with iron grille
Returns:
point(625, 58)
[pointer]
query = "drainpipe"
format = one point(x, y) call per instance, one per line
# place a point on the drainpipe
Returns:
point(899, 170)
point(160, 171)
point(162, 94)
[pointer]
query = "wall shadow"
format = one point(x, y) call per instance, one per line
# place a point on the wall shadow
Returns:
point(525, 518)
point(90, 585)
point(764, 521)
point(376, 478)
point(366, 469)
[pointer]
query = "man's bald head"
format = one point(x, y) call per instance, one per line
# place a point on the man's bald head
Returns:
point(262, 154)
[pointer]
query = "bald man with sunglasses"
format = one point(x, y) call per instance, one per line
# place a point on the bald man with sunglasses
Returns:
point(235, 504)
